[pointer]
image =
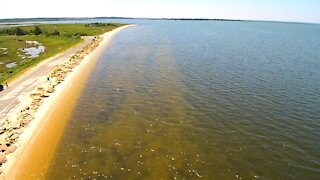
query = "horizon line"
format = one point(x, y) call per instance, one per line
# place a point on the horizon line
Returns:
point(153, 18)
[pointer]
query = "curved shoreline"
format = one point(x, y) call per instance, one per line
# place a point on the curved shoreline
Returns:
point(51, 116)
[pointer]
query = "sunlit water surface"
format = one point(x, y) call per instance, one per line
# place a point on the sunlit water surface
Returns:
point(188, 100)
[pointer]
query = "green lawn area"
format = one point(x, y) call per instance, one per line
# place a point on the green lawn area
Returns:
point(11, 45)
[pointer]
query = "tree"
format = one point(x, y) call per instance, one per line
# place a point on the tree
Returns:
point(37, 30)
point(46, 34)
point(19, 32)
point(55, 33)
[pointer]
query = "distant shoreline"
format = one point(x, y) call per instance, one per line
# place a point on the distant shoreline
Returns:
point(14, 21)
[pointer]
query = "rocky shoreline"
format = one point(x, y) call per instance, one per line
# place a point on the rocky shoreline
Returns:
point(12, 127)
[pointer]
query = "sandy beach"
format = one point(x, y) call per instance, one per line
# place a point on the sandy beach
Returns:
point(35, 140)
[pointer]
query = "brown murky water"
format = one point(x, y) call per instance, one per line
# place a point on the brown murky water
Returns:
point(139, 131)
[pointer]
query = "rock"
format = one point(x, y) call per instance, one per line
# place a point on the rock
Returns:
point(8, 143)
point(14, 136)
point(11, 133)
point(19, 131)
point(3, 148)
point(2, 130)
point(26, 121)
point(11, 149)
point(15, 125)
point(25, 109)
point(3, 158)
point(50, 89)
point(45, 95)
point(30, 117)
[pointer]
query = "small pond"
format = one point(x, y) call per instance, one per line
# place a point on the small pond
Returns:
point(33, 52)
point(11, 65)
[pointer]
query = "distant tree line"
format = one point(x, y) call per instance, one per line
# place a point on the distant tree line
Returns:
point(54, 33)
point(16, 31)
point(20, 32)
point(99, 24)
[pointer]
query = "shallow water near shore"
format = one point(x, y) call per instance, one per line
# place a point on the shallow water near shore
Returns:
point(188, 100)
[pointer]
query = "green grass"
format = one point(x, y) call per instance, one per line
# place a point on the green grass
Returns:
point(78, 28)
point(54, 45)
point(69, 36)
point(70, 29)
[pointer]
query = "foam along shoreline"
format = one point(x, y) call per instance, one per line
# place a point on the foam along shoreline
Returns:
point(34, 139)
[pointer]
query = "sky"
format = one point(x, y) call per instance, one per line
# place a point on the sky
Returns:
point(277, 10)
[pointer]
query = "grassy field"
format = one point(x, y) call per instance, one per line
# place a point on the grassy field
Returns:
point(55, 37)
point(74, 29)
point(53, 46)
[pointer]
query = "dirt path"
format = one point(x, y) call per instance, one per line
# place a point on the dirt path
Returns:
point(26, 83)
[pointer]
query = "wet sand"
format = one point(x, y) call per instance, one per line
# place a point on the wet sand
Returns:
point(38, 142)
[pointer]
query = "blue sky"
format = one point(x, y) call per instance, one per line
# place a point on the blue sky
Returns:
point(279, 10)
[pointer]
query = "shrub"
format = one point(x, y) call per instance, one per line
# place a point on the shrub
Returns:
point(46, 34)
point(67, 35)
point(37, 30)
point(19, 31)
point(95, 25)
point(80, 34)
point(55, 33)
